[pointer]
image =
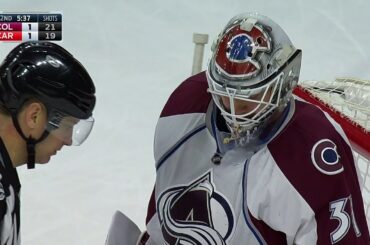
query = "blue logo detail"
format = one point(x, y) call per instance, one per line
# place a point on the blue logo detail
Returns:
point(330, 156)
point(240, 48)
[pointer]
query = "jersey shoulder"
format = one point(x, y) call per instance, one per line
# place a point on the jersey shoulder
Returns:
point(182, 117)
point(313, 155)
point(318, 162)
point(190, 96)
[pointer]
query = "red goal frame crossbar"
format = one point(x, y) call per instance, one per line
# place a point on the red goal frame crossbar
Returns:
point(357, 134)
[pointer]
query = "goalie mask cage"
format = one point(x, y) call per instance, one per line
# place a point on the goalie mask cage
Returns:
point(347, 101)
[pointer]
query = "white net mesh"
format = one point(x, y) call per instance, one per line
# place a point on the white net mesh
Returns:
point(347, 95)
point(348, 100)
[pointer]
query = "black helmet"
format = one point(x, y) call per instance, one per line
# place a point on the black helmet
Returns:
point(47, 72)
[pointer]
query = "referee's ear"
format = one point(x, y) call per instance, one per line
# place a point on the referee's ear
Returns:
point(32, 119)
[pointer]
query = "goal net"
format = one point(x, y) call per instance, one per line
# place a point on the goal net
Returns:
point(347, 101)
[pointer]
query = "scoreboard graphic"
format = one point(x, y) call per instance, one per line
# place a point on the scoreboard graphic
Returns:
point(21, 27)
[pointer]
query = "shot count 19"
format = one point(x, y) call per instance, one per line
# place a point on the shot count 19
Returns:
point(20, 27)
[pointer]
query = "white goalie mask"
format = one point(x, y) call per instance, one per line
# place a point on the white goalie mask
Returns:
point(253, 61)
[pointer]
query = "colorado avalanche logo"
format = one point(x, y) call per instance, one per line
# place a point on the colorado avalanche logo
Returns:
point(325, 157)
point(195, 214)
point(238, 48)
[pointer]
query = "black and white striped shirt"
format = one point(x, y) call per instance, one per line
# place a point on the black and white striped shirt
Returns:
point(9, 200)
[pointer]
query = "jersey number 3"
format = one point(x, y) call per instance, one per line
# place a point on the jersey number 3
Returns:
point(337, 209)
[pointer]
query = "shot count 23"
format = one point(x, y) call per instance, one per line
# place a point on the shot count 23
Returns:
point(21, 27)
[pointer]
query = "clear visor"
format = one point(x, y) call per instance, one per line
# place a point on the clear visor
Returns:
point(71, 130)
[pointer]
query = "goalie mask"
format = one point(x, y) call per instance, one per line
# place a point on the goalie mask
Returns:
point(253, 63)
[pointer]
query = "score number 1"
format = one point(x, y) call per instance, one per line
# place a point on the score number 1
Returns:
point(30, 31)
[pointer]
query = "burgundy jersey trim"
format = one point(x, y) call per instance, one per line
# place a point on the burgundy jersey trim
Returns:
point(190, 97)
point(291, 151)
point(269, 235)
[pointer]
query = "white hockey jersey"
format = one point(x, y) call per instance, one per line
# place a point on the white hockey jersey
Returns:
point(300, 187)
